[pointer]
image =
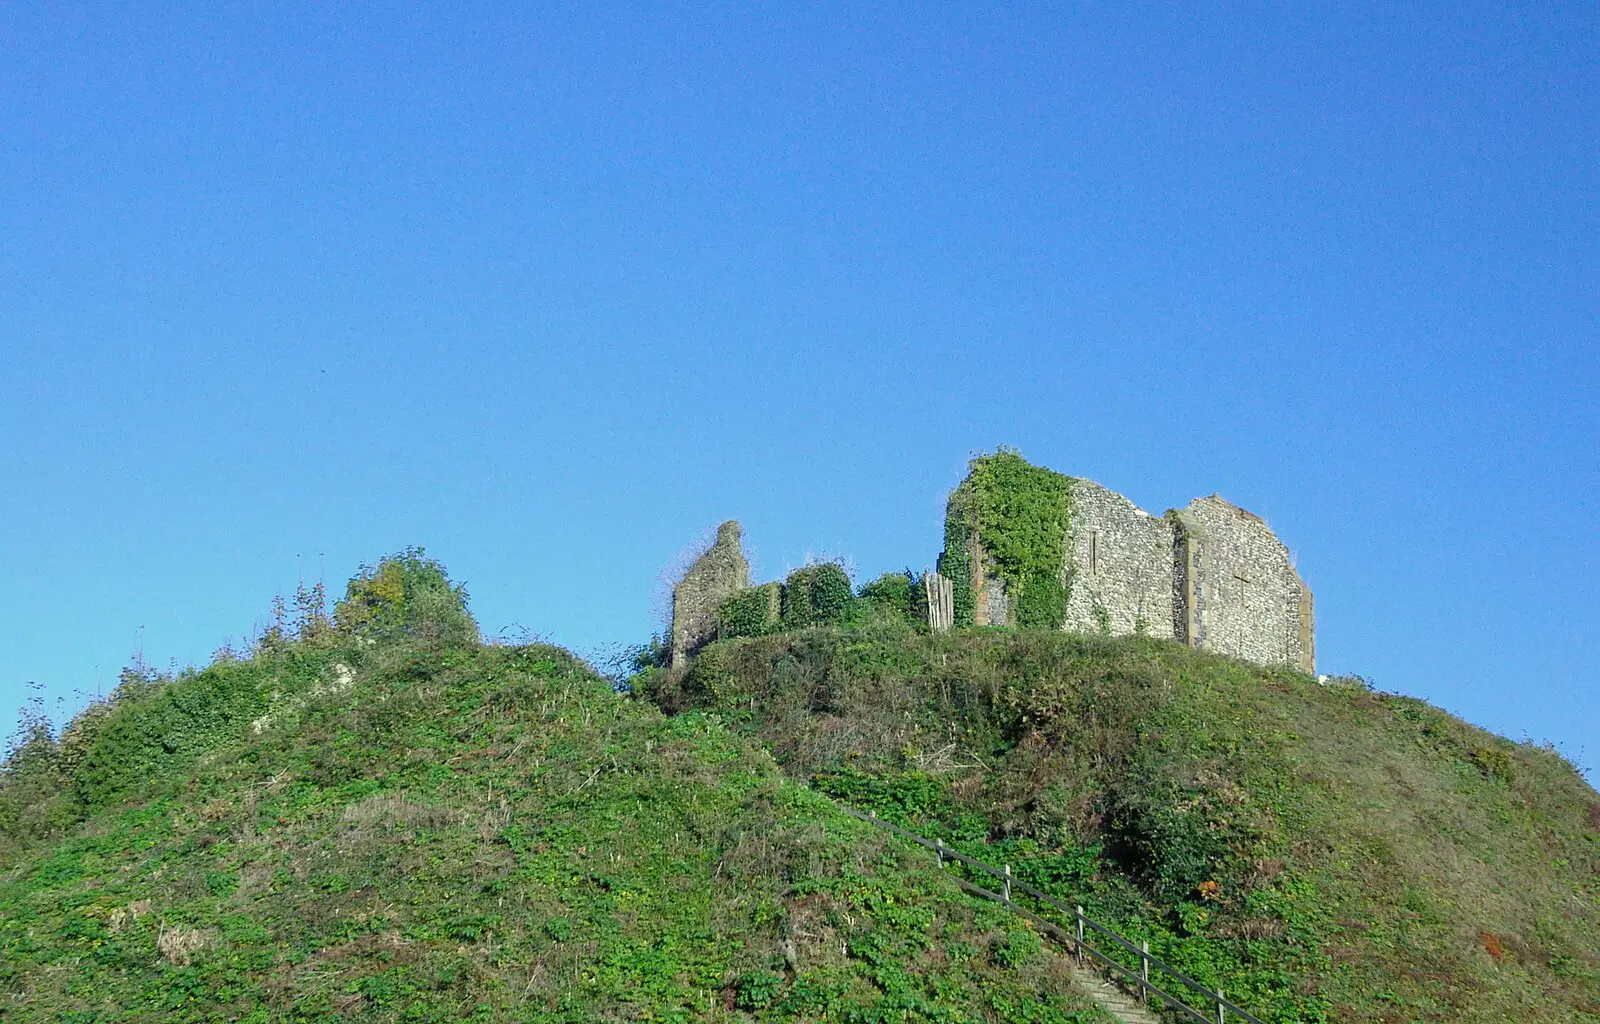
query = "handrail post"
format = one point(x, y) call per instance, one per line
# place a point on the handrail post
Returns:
point(1080, 947)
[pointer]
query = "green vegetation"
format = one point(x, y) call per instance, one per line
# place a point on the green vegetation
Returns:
point(815, 595)
point(955, 561)
point(386, 821)
point(1322, 852)
point(406, 594)
point(751, 612)
point(376, 817)
point(1020, 514)
point(896, 594)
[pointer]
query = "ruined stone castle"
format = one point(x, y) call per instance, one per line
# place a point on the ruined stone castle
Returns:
point(1210, 575)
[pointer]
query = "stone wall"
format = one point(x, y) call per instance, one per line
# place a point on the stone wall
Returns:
point(1236, 591)
point(1119, 566)
point(994, 603)
point(714, 577)
point(990, 603)
point(1210, 575)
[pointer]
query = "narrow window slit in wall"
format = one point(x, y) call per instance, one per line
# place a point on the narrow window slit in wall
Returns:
point(1094, 552)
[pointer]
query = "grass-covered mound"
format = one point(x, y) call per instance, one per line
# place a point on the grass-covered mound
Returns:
point(1320, 851)
point(377, 822)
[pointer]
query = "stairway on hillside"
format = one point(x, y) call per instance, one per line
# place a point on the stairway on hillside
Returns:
point(1110, 998)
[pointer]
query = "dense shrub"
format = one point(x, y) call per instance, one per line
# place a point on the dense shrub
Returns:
point(154, 728)
point(816, 595)
point(32, 803)
point(751, 612)
point(406, 595)
point(893, 591)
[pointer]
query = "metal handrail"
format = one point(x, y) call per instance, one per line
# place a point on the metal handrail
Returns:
point(1076, 942)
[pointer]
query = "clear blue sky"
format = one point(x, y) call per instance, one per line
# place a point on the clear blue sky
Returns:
point(552, 289)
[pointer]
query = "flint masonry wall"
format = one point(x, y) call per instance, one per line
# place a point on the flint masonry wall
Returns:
point(1119, 565)
point(990, 606)
point(1211, 575)
point(713, 578)
point(1236, 591)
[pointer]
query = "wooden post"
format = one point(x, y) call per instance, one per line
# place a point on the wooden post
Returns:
point(1006, 891)
point(938, 848)
point(1222, 1013)
point(1080, 933)
point(940, 595)
point(1144, 972)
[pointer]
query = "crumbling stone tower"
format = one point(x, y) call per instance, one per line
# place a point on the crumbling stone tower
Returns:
point(715, 576)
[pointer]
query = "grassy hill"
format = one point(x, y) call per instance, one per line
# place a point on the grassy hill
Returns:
point(376, 817)
point(1318, 850)
point(384, 820)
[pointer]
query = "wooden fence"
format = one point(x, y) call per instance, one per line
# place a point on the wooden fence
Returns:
point(1217, 1007)
point(940, 595)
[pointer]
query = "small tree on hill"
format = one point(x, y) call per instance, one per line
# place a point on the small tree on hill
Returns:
point(406, 595)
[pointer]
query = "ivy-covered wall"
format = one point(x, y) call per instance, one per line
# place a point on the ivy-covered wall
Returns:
point(816, 594)
point(1030, 547)
point(752, 612)
point(955, 562)
point(1015, 518)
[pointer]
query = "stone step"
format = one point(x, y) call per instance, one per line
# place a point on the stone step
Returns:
point(1110, 998)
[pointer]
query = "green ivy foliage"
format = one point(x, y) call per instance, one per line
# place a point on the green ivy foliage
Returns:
point(156, 726)
point(1021, 514)
point(816, 595)
point(955, 562)
point(751, 612)
point(893, 591)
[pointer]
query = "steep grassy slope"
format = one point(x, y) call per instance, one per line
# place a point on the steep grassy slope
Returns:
point(1319, 851)
point(355, 831)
